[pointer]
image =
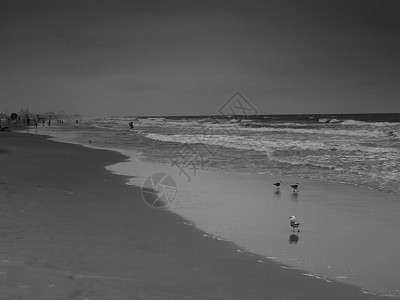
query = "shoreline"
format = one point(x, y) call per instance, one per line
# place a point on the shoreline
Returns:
point(82, 232)
point(318, 189)
point(248, 211)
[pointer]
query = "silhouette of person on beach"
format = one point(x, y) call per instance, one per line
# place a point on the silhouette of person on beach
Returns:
point(131, 125)
point(49, 123)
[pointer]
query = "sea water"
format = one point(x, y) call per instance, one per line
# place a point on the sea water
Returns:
point(357, 151)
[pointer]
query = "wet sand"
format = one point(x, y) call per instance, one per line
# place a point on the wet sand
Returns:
point(348, 233)
point(69, 229)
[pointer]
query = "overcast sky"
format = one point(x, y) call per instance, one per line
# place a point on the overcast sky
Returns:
point(102, 58)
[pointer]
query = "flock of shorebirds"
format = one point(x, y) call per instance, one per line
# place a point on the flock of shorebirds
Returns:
point(295, 187)
point(293, 223)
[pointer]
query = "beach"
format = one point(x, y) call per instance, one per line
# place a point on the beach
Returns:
point(70, 229)
point(220, 175)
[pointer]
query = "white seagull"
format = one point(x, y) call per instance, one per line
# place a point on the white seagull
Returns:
point(295, 187)
point(294, 224)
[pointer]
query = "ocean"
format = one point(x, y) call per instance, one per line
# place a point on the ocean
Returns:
point(352, 149)
point(218, 161)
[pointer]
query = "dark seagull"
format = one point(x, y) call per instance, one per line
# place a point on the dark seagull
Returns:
point(277, 184)
point(295, 187)
point(294, 224)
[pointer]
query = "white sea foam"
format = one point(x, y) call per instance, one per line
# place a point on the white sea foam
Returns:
point(316, 276)
point(321, 131)
point(106, 127)
point(323, 120)
point(378, 124)
point(289, 124)
point(263, 144)
point(290, 268)
point(334, 121)
point(154, 119)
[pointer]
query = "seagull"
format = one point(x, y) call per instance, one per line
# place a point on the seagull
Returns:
point(294, 224)
point(277, 184)
point(295, 187)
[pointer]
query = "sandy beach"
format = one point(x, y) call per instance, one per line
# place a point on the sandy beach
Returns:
point(70, 229)
point(140, 142)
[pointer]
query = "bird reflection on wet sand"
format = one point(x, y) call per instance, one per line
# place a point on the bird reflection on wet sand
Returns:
point(294, 238)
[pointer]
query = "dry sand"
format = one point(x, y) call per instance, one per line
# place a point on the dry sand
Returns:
point(69, 229)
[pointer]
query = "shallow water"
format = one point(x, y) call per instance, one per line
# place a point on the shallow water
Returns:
point(346, 234)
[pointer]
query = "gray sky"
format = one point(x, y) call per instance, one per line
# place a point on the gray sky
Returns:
point(102, 58)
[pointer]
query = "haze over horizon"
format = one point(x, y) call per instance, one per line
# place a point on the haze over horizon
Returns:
point(104, 58)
